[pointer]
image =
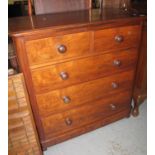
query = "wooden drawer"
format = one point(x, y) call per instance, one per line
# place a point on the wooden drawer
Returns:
point(84, 93)
point(117, 38)
point(57, 48)
point(75, 118)
point(73, 72)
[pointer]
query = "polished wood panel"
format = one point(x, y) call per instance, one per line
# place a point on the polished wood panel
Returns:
point(49, 78)
point(53, 6)
point(45, 50)
point(78, 117)
point(50, 23)
point(83, 93)
point(86, 128)
point(109, 38)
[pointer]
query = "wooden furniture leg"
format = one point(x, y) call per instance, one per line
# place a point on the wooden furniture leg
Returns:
point(135, 110)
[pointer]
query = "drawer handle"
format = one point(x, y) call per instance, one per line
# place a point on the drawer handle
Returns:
point(114, 85)
point(119, 38)
point(117, 63)
point(68, 121)
point(66, 99)
point(113, 107)
point(62, 49)
point(64, 75)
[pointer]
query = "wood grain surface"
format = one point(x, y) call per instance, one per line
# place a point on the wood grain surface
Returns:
point(82, 70)
point(84, 93)
point(105, 39)
point(49, 24)
point(56, 124)
point(46, 50)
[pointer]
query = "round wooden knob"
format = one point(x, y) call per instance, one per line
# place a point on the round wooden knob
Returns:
point(68, 121)
point(114, 85)
point(62, 49)
point(64, 75)
point(113, 107)
point(119, 38)
point(66, 99)
point(117, 63)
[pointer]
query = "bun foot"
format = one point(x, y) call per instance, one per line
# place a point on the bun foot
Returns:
point(135, 110)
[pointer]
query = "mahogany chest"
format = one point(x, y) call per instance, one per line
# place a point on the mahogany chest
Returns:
point(79, 69)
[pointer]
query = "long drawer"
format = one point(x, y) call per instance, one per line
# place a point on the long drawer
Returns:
point(73, 72)
point(118, 38)
point(84, 93)
point(75, 118)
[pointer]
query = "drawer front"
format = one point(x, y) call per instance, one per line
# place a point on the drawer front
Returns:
point(73, 72)
point(84, 93)
point(117, 38)
point(57, 48)
point(78, 117)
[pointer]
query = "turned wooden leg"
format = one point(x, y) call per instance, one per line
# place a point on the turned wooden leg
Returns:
point(135, 110)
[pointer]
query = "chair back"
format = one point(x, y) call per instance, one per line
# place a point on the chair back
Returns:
point(55, 6)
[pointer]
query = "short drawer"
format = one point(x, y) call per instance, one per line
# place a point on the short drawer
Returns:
point(82, 70)
point(69, 120)
point(117, 38)
point(84, 93)
point(56, 48)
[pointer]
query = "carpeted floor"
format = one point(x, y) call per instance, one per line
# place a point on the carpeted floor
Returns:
point(124, 137)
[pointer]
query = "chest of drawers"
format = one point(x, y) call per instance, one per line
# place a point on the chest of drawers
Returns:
point(79, 73)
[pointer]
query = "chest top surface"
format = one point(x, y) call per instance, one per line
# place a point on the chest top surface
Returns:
point(85, 18)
